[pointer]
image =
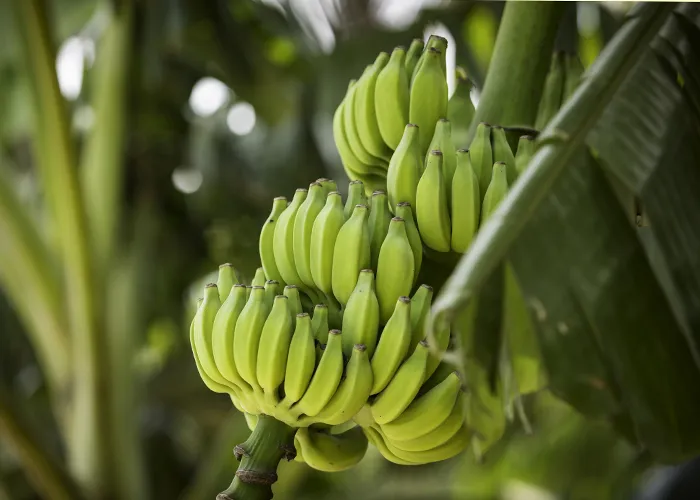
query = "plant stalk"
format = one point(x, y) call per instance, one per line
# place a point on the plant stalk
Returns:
point(270, 442)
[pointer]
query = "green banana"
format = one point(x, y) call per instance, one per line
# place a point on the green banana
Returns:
point(329, 185)
point(259, 279)
point(391, 97)
point(435, 42)
point(497, 190)
point(202, 337)
point(365, 115)
point(405, 168)
point(292, 293)
point(432, 210)
point(325, 379)
point(303, 225)
point(319, 323)
point(466, 203)
point(377, 439)
point(481, 155)
point(442, 141)
point(273, 349)
point(283, 240)
point(377, 225)
point(322, 243)
point(572, 78)
point(331, 452)
point(266, 242)
point(301, 361)
point(352, 392)
point(428, 102)
point(454, 446)
point(226, 279)
point(503, 153)
point(223, 333)
point(356, 196)
point(425, 413)
point(405, 384)
point(524, 153)
point(404, 211)
point(361, 315)
point(552, 92)
point(393, 345)
point(351, 126)
point(412, 55)
point(395, 271)
point(271, 290)
point(420, 309)
point(460, 109)
point(246, 338)
point(350, 254)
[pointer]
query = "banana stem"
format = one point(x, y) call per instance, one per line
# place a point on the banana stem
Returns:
point(270, 442)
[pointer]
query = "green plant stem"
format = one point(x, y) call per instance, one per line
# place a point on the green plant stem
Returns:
point(55, 158)
point(556, 145)
point(270, 442)
point(519, 65)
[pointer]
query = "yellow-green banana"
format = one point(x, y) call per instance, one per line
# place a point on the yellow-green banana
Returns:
point(283, 240)
point(331, 452)
point(350, 254)
point(329, 185)
point(351, 126)
point(303, 225)
point(481, 155)
point(378, 440)
point(395, 271)
point(460, 109)
point(259, 279)
point(391, 96)
point(412, 55)
point(378, 225)
point(442, 141)
point(526, 149)
point(271, 291)
point(246, 339)
point(497, 190)
point(266, 242)
point(292, 293)
point(466, 203)
point(428, 102)
point(223, 332)
point(552, 92)
point(404, 210)
point(273, 349)
point(393, 345)
point(301, 361)
point(438, 43)
point(356, 196)
point(420, 310)
point(319, 323)
point(361, 315)
point(202, 335)
point(441, 434)
point(365, 115)
point(449, 449)
point(226, 279)
point(322, 243)
point(405, 168)
point(503, 153)
point(432, 210)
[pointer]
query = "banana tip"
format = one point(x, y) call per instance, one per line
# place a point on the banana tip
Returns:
point(333, 332)
point(360, 347)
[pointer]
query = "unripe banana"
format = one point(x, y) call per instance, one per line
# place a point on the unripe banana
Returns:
point(301, 361)
point(303, 225)
point(438, 43)
point(428, 101)
point(552, 92)
point(404, 211)
point(331, 452)
point(526, 149)
point(351, 126)
point(227, 278)
point(466, 203)
point(319, 323)
point(405, 168)
point(574, 71)
point(432, 211)
point(393, 345)
point(273, 349)
point(271, 291)
point(397, 396)
point(223, 333)
point(266, 242)
point(283, 241)
point(503, 153)
point(425, 413)
point(356, 196)
point(365, 115)
point(420, 311)
point(378, 225)
point(395, 271)
point(412, 55)
point(378, 440)
point(361, 315)
point(459, 442)
point(391, 97)
point(442, 141)
point(497, 190)
point(441, 434)
point(329, 185)
point(481, 155)
point(322, 243)
point(352, 392)
point(350, 254)
point(292, 293)
point(325, 380)
point(200, 338)
point(460, 109)
point(259, 279)
point(246, 339)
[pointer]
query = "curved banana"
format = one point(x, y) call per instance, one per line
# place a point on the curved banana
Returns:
point(395, 271)
point(361, 316)
point(503, 153)
point(322, 243)
point(273, 349)
point(412, 55)
point(391, 97)
point(405, 168)
point(425, 413)
point(292, 293)
point(325, 379)
point(552, 92)
point(428, 102)
point(404, 211)
point(246, 338)
point(397, 396)
point(350, 254)
point(481, 155)
point(497, 190)
point(432, 212)
point(319, 323)
point(303, 226)
point(442, 141)
point(459, 442)
point(524, 153)
point(301, 361)
point(356, 196)
point(226, 279)
point(331, 452)
point(365, 115)
point(441, 434)
point(201, 319)
point(283, 240)
point(266, 242)
point(352, 392)
point(203, 325)
point(393, 345)
point(466, 203)
point(378, 440)
point(420, 309)
point(223, 333)
point(271, 291)
point(460, 109)
point(378, 225)
point(351, 126)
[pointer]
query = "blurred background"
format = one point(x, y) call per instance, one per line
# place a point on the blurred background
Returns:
point(230, 104)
